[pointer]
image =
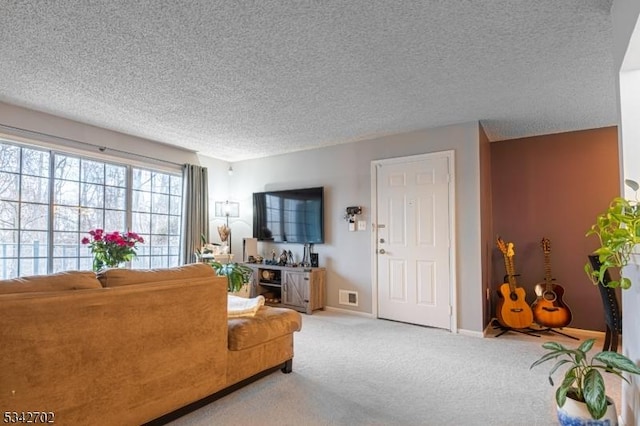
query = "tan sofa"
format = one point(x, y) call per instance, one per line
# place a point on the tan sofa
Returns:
point(129, 346)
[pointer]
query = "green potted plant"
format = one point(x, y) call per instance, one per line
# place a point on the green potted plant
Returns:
point(583, 385)
point(237, 275)
point(618, 229)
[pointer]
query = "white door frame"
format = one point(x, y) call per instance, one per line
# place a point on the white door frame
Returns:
point(453, 294)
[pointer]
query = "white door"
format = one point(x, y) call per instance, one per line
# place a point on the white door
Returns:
point(413, 234)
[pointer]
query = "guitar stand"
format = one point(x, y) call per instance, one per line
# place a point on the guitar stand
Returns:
point(528, 331)
point(552, 330)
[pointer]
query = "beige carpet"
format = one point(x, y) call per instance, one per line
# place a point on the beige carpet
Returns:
point(351, 370)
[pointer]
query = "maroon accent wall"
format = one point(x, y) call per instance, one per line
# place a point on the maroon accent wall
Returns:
point(554, 186)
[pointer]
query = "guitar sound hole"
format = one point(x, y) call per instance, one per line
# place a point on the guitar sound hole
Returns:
point(550, 309)
point(513, 296)
point(549, 296)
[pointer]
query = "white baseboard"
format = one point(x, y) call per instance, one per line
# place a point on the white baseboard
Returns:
point(471, 333)
point(349, 311)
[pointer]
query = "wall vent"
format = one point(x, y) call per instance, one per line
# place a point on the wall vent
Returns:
point(348, 297)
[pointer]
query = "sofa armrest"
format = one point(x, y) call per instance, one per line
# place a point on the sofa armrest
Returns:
point(121, 355)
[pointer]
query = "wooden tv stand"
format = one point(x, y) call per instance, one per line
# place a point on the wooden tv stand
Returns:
point(295, 287)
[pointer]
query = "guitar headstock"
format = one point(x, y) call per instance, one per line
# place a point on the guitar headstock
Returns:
point(505, 248)
point(546, 245)
point(510, 251)
point(501, 245)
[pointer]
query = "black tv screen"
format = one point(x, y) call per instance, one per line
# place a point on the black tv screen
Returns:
point(290, 216)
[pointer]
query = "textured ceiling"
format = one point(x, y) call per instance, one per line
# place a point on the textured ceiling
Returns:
point(238, 80)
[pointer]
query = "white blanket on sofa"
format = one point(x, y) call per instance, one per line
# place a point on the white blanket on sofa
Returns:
point(243, 307)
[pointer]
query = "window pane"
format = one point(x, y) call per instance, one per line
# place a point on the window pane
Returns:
point(34, 216)
point(92, 172)
point(161, 183)
point(66, 167)
point(141, 201)
point(115, 198)
point(8, 268)
point(8, 244)
point(159, 224)
point(159, 262)
point(141, 223)
point(141, 180)
point(66, 264)
point(66, 218)
point(144, 250)
point(35, 189)
point(91, 195)
point(115, 175)
point(9, 186)
point(66, 244)
point(174, 245)
point(35, 162)
point(32, 266)
point(158, 244)
point(175, 205)
point(160, 203)
point(9, 215)
point(86, 263)
point(176, 185)
point(33, 244)
point(115, 220)
point(66, 192)
point(9, 157)
point(91, 219)
point(174, 225)
point(141, 262)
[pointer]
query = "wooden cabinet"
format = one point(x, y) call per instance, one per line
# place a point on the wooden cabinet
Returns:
point(302, 289)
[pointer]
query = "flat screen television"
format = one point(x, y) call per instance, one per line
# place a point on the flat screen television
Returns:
point(289, 216)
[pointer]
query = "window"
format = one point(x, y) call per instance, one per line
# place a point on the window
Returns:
point(156, 208)
point(50, 200)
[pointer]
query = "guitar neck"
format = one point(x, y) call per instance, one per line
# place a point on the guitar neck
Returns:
point(511, 274)
point(510, 270)
point(547, 271)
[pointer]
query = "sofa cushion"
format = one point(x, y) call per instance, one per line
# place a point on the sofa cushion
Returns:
point(68, 280)
point(267, 324)
point(117, 277)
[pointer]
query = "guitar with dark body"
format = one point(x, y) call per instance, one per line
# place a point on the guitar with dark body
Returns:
point(549, 310)
point(512, 310)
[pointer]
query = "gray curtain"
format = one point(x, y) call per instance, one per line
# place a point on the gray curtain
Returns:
point(195, 210)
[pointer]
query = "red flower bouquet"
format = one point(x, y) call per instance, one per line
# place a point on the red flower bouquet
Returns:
point(111, 249)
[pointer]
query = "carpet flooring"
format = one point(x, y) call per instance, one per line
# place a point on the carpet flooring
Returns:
point(354, 370)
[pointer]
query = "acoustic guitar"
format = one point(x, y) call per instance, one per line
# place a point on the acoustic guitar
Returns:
point(512, 310)
point(548, 309)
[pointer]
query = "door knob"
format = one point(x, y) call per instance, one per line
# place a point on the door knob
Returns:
point(381, 251)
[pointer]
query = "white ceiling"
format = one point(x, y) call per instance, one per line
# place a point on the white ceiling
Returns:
point(239, 80)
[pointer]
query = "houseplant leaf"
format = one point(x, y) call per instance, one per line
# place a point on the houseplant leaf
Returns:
point(617, 361)
point(594, 393)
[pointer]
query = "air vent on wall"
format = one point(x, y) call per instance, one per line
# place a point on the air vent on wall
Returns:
point(348, 297)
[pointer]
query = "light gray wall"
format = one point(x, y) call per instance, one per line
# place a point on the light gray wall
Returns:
point(626, 18)
point(344, 171)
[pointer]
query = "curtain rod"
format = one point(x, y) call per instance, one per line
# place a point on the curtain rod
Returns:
point(31, 133)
